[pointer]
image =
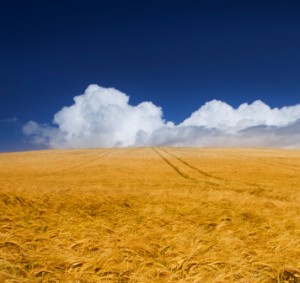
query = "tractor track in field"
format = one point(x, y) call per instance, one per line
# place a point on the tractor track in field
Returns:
point(90, 161)
point(79, 164)
point(175, 168)
point(257, 160)
point(193, 167)
point(214, 180)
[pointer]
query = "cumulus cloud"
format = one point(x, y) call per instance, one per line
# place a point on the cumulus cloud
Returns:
point(218, 114)
point(103, 117)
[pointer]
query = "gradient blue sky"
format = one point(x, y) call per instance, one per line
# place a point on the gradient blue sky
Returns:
point(177, 54)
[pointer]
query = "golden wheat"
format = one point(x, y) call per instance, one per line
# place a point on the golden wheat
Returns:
point(150, 215)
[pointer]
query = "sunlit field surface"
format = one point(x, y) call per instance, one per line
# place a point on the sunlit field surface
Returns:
point(150, 215)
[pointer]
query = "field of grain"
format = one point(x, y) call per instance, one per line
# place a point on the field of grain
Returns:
point(150, 215)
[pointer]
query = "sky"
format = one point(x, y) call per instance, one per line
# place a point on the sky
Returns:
point(149, 73)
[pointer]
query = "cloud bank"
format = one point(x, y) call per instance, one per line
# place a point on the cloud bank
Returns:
point(103, 117)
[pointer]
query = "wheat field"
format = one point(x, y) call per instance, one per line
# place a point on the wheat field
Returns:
point(150, 215)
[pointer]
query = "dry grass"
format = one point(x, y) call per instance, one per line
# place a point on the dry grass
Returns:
point(150, 215)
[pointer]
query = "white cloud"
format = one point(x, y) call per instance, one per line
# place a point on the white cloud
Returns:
point(218, 114)
point(103, 117)
point(12, 120)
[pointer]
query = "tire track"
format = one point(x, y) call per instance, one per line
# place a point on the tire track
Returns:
point(176, 169)
point(90, 161)
point(193, 167)
point(203, 173)
point(79, 165)
point(257, 160)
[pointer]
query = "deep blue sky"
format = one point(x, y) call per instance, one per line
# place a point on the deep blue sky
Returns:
point(177, 54)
